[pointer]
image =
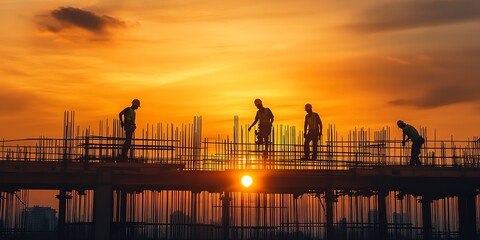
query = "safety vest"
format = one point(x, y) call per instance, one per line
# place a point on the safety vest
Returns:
point(411, 132)
point(264, 116)
point(312, 120)
point(129, 115)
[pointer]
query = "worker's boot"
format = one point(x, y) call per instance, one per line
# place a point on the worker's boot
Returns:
point(417, 162)
point(412, 162)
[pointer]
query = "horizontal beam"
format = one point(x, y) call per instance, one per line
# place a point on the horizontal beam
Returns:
point(137, 176)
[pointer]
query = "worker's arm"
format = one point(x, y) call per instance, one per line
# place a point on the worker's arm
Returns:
point(305, 127)
point(405, 140)
point(320, 126)
point(254, 122)
point(271, 117)
point(121, 118)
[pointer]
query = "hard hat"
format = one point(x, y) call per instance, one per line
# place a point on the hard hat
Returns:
point(136, 102)
point(400, 123)
point(257, 101)
point(308, 106)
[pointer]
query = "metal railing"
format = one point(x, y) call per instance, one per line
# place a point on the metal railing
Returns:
point(184, 144)
point(226, 154)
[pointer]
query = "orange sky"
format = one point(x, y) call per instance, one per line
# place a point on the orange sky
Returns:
point(359, 63)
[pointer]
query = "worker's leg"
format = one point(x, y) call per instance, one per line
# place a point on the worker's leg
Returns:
point(264, 133)
point(265, 150)
point(412, 155)
point(315, 146)
point(259, 138)
point(127, 143)
point(418, 145)
point(415, 153)
point(306, 148)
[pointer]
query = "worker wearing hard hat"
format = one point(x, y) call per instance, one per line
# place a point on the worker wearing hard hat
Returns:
point(265, 118)
point(417, 141)
point(312, 131)
point(127, 122)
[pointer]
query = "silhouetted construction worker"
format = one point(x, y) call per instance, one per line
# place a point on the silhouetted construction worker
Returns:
point(128, 124)
point(265, 118)
point(417, 141)
point(312, 131)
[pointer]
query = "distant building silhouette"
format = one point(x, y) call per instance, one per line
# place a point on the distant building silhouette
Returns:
point(179, 221)
point(401, 218)
point(373, 216)
point(41, 219)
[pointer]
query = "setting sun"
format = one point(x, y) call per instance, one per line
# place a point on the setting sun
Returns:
point(247, 181)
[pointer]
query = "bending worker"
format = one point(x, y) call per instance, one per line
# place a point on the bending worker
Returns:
point(417, 141)
point(127, 122)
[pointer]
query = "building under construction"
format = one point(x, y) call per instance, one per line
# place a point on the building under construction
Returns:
point(179, 185)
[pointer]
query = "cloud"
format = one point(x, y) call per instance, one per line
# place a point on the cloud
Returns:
point(16, 100)
point(397, 60)
point(74, 18)
point(422, 80)
point(442, 96)
point(403, 15)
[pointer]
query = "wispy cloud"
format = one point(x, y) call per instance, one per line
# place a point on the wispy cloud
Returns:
point(64, 18)
point(397, 60)
point(402, 15)
point(16, 100)
point(441, 96)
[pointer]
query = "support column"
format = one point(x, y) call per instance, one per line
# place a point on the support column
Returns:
point(62, 209)
point(120, 229)
point(427, 217)
point(123, 208)
point(382, 215)
point(226, 215)
point(329, 200)
point(194, 231)
point(102, 206)
point(466, 213)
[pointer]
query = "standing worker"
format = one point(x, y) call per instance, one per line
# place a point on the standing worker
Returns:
point(128, 124)
point(312, 131)
point(265, 117)
point(417, 141)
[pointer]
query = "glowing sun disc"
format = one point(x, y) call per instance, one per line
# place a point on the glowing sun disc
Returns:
point(247, 181)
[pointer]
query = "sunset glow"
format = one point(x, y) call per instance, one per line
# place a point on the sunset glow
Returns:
point(360, 64)
point(176, 167)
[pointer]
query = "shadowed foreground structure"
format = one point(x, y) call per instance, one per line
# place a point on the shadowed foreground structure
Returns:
point(180, 186)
